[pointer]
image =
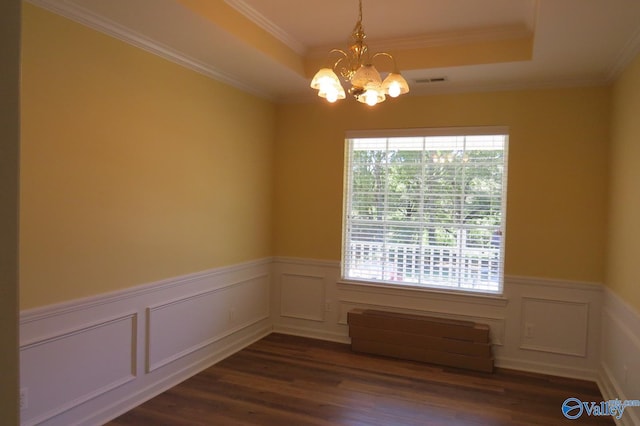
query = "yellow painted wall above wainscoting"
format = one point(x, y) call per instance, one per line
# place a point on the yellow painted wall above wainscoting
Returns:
point(134, 169)
point(557, 172)
point(623, 265)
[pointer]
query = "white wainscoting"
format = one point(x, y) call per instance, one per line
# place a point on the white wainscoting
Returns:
point(620, 354)
point(540, 325)
point(86, 361)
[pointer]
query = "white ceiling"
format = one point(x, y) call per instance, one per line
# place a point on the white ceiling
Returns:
point(576, 42)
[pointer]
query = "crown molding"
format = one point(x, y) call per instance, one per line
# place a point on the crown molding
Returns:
point(478, 35)
point(71, 10)
point(447, 38)
point(269, 26)
point(627, 54)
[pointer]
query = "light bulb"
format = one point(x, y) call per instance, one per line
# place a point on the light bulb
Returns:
point(332, 95)
point(371, 97)
point(394, 89)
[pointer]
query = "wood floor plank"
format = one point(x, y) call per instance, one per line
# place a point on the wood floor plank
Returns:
point(287, 380)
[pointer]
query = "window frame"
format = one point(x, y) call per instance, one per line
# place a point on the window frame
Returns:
point(424, 132)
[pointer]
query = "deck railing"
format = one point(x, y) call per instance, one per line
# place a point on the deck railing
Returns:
point(466, 268)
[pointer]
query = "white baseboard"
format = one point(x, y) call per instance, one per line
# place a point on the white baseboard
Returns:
point(89, 360)
point(547, 368)
point(133, 400)
point(312, 333)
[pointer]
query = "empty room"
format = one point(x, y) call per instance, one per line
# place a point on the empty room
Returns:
point(367, 212)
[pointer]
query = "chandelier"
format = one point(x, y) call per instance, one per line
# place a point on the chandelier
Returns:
point(355, 66)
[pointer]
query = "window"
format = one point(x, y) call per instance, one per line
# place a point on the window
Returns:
point(427, 210)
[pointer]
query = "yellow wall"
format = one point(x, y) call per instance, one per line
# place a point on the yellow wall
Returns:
point(623, 266)
point(9, 151)
point(134, 169)
point(557, 172)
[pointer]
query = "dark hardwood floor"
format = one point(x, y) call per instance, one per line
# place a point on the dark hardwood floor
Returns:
point(292, 381)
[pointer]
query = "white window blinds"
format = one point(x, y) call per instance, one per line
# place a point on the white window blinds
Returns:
point(426, 211)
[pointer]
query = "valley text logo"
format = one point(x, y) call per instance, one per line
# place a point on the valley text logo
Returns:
point(573, 408)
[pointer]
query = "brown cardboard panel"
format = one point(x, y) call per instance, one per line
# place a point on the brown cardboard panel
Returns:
point(423, 355)
point(438, 344)
point(420, 325)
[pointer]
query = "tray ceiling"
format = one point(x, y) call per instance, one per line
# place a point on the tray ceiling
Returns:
point(272, 47)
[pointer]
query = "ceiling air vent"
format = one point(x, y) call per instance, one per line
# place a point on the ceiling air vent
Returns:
point(431, 80)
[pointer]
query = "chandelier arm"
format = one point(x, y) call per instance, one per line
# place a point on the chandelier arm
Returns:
point(340, 51)
point(344, 70)
point(390, 56)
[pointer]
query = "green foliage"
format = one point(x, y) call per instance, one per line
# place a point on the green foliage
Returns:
point(434, 198)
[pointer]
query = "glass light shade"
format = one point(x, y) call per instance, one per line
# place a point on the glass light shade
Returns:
point(324, 79)
point(395, 85)
point(365, 76)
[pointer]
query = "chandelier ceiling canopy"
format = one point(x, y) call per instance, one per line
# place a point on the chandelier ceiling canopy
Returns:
point(356, 68)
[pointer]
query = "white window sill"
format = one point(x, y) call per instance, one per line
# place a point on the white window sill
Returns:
point(432, 293)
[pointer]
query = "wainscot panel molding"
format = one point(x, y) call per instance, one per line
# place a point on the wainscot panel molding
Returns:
point(548, 334)
point(620, 355)
point(89, 360)
point(523, 320)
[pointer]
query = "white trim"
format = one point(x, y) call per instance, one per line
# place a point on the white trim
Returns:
point(39, 326)
point(86, 328)
point(43, 340)
point(311, 333)
point(623, 311)
point(307, 262)
point(508, 279)
point(167, 360)
point(430, 293)
point(319, 281)
point(266, 24)
point(547, 368)
point(502, 313)
point(40, 313)
point(621, 321)
point(128, 383)
point(99, 23)
point(610, 390)
point(554, 283)
point(107, 413)
point(582, 352)
point(427, 131)
point(444, 38)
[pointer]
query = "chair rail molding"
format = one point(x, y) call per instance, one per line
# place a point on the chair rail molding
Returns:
point(116, 350)
point(87, 361)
